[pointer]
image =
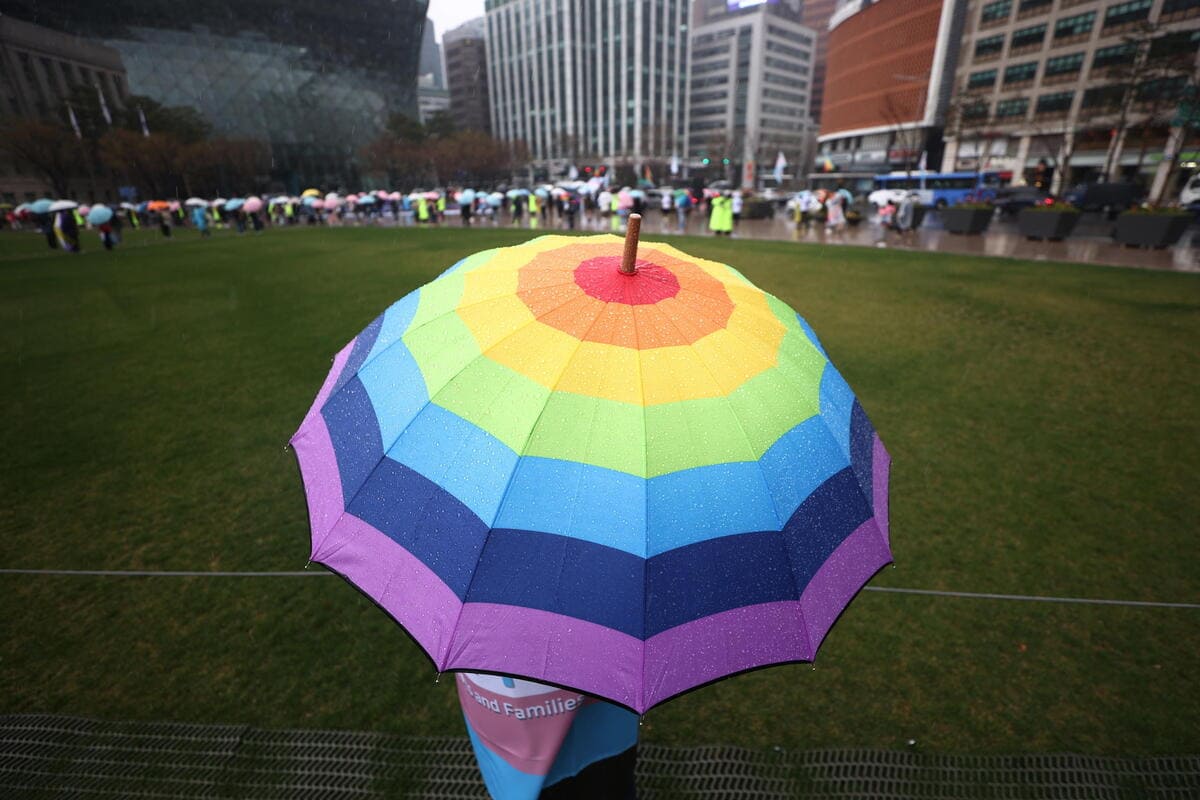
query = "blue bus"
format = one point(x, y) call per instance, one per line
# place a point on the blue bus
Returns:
point(940, 189)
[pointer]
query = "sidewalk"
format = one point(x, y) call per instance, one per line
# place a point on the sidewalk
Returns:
point(1091, 243)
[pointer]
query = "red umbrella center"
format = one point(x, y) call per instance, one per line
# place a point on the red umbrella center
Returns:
point(601, 278)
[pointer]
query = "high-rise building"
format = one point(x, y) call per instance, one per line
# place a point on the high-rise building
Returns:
point(465, 48)
point(751, 83)
point(1043, 87)
point(431, 57)
point(601, 80)
point(816, 14)
point(311, 81)
point(888, 80)
point(431, 99)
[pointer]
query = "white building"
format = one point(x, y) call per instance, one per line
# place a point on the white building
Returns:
point(581, 80)
point(751, 85)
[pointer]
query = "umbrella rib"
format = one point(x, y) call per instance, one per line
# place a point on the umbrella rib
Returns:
point(762, 476)
point(637, 338)
point(511, 475)
point(425, 405)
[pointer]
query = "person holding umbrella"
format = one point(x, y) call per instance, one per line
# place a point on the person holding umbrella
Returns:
point(720, 220)
point(534, 741)
point(66, 225)
point(101, 216)
point(200, 221)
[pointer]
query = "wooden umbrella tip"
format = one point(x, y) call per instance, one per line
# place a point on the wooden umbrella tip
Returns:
point(629, 257)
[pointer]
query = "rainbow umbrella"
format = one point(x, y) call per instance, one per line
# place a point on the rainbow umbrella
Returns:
point(627, 484)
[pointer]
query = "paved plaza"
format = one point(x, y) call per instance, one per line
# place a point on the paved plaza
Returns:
point(1091, 243)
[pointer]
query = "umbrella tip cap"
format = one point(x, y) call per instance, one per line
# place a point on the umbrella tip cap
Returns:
point(629, 257)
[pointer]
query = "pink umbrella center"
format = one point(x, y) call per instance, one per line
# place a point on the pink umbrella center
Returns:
point(601, 278)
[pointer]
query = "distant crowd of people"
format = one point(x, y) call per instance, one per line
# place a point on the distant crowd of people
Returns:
point(568, 206)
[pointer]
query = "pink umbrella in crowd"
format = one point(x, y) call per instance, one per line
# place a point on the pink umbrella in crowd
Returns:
point(252, 205)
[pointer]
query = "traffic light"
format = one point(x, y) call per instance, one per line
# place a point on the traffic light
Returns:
point(704, 161)
point(725, 161)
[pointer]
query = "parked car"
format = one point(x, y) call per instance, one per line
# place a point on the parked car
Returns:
point(1189, 198)
point(1011, 199)
point(1111, 198)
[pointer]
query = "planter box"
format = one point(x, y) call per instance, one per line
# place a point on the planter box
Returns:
point(1052, 225)
point(1150, 230)
point(966, 220)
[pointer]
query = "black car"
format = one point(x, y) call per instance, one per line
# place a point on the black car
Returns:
point(1111, 198)
point(1011, 199)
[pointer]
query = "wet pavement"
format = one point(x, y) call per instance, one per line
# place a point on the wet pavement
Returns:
point(1091, 243)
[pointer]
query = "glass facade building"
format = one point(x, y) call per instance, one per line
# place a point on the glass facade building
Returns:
point(311, 80)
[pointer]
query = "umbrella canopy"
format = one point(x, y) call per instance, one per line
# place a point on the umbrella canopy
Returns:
point(24, 208)
point(332, 200)
point(317, 202)
point(366, 200)
point(495, 199)
point(311, 193)
point(252, 205)
point(234, 204)
point(220, 201)
point(84, 210)
point(193, 202)
point(99, 214)
point(630, 485)
point(282, 199)
point(62, 205)
point(40, 206)
point(129, 206)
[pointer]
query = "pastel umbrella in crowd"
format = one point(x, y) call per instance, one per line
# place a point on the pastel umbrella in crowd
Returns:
point(196, 202)
point(99, 214)
point(311, 193)
point(252, 205)
point(625, 471)
point(234, 204)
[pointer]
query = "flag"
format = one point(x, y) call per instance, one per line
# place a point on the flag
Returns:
point(780, 165)
point(674, 165)
point(103, 105)
point(647, 174)
point(74, 122)
point(142, 117)
point(573, 174)
point(921, 163)
point(827, 164)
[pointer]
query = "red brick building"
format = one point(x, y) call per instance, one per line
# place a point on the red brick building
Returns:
point(889, 72)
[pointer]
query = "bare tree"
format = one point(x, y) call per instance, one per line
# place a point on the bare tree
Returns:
point(1147, 86)
point(906, 137)
point(53, 153)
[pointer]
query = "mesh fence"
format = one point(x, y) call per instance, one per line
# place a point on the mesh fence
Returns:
point(43, 756)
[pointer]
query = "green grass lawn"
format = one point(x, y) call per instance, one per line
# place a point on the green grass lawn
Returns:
point(1043, 420)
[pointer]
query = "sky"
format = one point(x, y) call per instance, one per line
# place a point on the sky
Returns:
point(447, 14)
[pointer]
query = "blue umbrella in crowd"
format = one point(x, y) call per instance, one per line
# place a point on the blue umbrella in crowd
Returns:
point(41, 206)
point(366, 200)
point(99, 214)
point(234, 204)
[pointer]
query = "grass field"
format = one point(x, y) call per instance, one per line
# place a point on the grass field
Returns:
point(1043, 420)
